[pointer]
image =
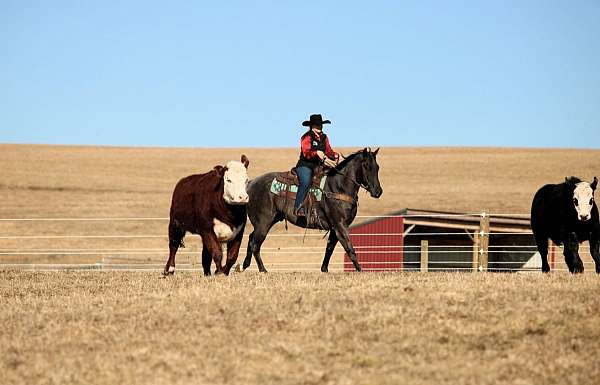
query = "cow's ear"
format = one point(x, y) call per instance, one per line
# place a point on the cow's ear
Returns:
point(569, 182)
point(245, 160)
point(220, 170)
point(594, 184)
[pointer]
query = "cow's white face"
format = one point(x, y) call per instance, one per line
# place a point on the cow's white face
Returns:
point(235, 180)
point(583, 199)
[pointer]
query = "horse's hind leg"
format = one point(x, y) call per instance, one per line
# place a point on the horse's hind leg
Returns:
point(542, 246)
point(257, 242)
point(176, 235)
point(331, 243)
point(248, 258)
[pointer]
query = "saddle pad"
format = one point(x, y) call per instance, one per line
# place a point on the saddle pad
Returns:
point(289, 178)
point(290, 190)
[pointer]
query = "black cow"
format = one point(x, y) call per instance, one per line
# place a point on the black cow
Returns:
point(567, 214)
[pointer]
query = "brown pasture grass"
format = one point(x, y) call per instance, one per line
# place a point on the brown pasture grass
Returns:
point(69, 181)
point(299, 328)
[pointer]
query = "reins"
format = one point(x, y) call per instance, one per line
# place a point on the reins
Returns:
point(351, 179)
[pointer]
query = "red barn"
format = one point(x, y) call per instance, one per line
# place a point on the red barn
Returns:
point(383, 244)
point(378, 244)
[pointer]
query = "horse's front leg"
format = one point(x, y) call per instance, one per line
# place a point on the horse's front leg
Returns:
point(342, 235)
point(572, 254)
point(331, 243)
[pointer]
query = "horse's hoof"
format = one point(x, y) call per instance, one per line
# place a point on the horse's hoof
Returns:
point(169, 271)
point(577, 269)
point(238, 268)
point(324, 270)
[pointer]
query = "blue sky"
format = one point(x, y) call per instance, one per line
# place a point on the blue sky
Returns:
point(246, 74)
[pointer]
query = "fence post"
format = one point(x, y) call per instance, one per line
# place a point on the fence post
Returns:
point(424, 256)
point(475, 264)
point(484, 232)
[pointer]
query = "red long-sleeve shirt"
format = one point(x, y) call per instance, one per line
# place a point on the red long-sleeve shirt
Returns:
point(305, 145)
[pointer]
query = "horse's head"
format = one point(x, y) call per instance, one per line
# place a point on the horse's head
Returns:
point(583, 197)
point(370, 172)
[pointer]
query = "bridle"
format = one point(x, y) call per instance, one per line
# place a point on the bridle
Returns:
point(351, 179)
point(366, 187)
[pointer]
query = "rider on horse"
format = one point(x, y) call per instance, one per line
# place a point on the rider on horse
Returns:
point(314, 151)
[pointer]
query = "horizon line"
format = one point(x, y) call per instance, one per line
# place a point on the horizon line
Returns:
point(146, 146)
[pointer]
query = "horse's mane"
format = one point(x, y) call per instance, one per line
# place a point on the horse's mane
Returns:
point(345, 162)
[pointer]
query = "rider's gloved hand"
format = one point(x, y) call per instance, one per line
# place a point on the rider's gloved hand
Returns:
point(330, 163)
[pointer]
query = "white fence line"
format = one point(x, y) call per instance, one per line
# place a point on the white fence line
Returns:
point(66, 236)
point(273, 252)
point(291, 248)
point(107, 219)
point(128, 255)
point(127, 268)
point(81, 219)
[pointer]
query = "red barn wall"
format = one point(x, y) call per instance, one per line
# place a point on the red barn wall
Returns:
point(378, 252)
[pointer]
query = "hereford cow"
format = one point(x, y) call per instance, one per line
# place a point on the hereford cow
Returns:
point(212, 205)
point(567, 214)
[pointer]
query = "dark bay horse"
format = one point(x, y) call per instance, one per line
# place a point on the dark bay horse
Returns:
point(335, 212)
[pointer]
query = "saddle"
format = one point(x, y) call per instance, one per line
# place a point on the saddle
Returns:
point(285, 184)
point(291, 178)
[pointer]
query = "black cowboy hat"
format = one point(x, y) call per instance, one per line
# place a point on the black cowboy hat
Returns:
point(315, 120)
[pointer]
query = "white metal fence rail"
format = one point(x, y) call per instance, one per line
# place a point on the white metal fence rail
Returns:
point(119, 258)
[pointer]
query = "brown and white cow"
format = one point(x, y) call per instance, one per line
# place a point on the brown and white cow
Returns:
point(212, 205)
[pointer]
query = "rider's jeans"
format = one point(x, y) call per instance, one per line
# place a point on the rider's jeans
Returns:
point(305, 177)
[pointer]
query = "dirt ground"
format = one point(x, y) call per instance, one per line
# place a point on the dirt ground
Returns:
point(299, 328)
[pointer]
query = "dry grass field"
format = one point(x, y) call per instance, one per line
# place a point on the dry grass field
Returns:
point(285, 328)
point(90, 182)
point(299, 328)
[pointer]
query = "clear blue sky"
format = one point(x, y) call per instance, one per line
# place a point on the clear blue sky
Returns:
point(247, 73)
